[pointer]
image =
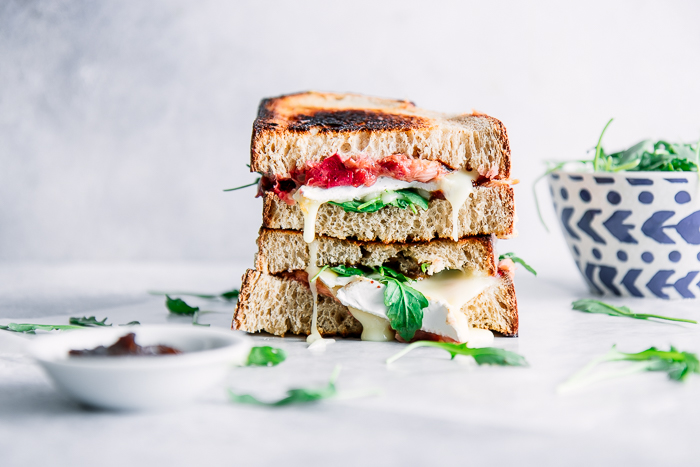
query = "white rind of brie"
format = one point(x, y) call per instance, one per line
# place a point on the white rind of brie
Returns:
point(446, 292)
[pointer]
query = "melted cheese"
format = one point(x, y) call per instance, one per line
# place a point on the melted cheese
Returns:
point(456, 187)
point(312, 270)
point(447, 293)
point(374, 328)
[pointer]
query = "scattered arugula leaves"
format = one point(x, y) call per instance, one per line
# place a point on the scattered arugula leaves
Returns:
point(257, 180)
point(229, 295)
point(178, 306)
point(294, 396)
point(511, 256)
point(88, 322)
point(266, 356)
point(404, 199)
point(596, 306)
point(31, 328)
point(483, 355)
point(678, 365)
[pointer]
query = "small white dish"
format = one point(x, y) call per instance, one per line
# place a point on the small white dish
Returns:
point(138, 382)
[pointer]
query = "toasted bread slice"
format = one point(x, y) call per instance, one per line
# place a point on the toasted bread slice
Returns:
point(286, 251)
point(298, 128)
point(281, 305)
point(489, 210)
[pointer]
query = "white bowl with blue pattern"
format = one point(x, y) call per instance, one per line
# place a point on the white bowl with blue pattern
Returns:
point(632, 234)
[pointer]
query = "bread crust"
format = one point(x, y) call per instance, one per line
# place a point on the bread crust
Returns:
point(489, 210)
point(286, 251)
point(294, 129)
point(280, 305)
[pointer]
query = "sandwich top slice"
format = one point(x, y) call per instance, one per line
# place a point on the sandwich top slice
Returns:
point(294, 131)
point(441, 290)
point(365, 155)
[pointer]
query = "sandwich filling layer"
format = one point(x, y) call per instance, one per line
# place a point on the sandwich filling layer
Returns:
point(446, 293)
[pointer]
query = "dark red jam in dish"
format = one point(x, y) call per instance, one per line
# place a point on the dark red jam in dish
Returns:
point(125, 346)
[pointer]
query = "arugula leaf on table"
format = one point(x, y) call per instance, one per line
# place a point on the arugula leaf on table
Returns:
point(131, 323)
point(294, 396)
point(266, 356)
point(404, 199)
point(228, 296)
point(88, 322)
point(677, 365)
point(29, 328)
point(483, 355)
point(180, 307)
point(596, 306)
point(511, 256)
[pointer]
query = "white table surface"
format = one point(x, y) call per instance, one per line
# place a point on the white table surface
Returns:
point(431, 411)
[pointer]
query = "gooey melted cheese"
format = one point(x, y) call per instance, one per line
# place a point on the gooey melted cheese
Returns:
point(456, 187)
point(447, 292)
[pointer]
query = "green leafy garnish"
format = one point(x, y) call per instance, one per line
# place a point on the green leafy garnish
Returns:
point(347, 271)
point(511, 256)
point(596, 306)
point(424, 267)
point(178, 306)
point(244, 186)
point(31, 328)
point(228, 296)
point(91, 321)
point(131, 323)
point(404, 199)
point(294, 396)
point(404, 308)
point(483, 355)
point(266, 356)
point(404, 303)
point(678, 365)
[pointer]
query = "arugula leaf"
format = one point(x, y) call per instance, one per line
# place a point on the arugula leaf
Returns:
point(91, 321)
point(347, 271)
point(677, 365)
point(266, 356)
point(31, 328)
point(404, 308)
point(178, 306)
point(424, 267)
point(294, 396)
point(229, 295)
point(131, 323)
point(483, 355)
point(405, 199)
point(511, 256)
point(599, 148)
point(596, 306)
point(244, 186)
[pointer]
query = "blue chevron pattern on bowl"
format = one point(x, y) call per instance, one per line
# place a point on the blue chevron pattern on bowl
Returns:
point(634, 234)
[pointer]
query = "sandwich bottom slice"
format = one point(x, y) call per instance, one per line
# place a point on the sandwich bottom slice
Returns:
point(281, 304)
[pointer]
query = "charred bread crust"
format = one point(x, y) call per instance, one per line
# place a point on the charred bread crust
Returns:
point(494, 309)
point(284, 124)
point(281, 250)
point(392, 224)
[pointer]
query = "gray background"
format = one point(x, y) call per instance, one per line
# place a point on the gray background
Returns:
point(121, 122)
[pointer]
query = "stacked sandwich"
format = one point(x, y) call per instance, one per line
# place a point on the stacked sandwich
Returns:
point(379, 221)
